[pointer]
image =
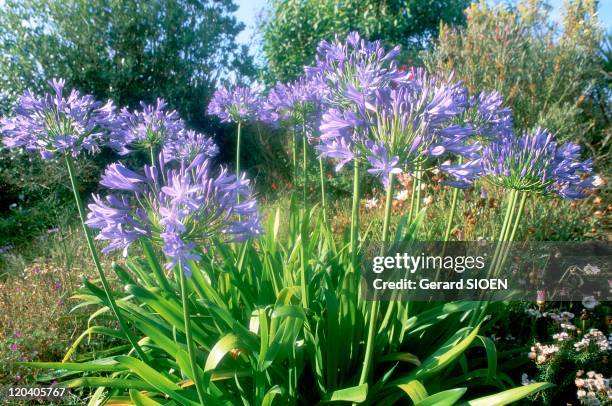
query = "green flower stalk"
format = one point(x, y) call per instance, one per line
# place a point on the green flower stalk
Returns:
point(323, 198)
point(355, 215)
point(58, 126)
point(188, 336)
point(375, 304)
point(98, 265)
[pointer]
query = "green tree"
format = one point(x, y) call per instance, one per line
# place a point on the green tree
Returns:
point(127, 50)
point(293, 28)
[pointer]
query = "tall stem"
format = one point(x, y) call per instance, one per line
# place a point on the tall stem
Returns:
point(412, 197)
point(303, 281)
point(238, 134)
point(323, 202)
point(189, 338)
point(511, 235)
point(96, 260)
point(417, 203)
point(152, 155)
point(294, 155)
point(502, 233)
point(355, 215)
point(304, 164)
point(451, 215)
point(369, 350)
point(519, 214)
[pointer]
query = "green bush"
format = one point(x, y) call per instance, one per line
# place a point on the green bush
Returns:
point(294, 28)
point(550, 74)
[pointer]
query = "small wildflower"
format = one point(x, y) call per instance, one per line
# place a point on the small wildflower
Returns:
point(371, 203)
point(402, 196)
point(589, 302)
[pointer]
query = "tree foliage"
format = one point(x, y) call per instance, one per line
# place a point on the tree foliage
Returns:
point(293, 28)
point(127, 50)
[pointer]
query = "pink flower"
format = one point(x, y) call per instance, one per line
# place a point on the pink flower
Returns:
point(13, 347)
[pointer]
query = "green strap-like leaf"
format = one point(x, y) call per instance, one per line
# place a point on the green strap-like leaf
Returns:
point(415, 390)
point(270, 395)
point(445, 398)
point(100, 365)
point(155, 379)
point(142, 400)
point(508, 396)
point(223, 346)
point(355, 394)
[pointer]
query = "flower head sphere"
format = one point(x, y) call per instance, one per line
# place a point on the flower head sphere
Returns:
point(537, 163)
point(58, 124)
point(294, 100)
point(493, 119)
point(240, 104)
point(149, 127)
point(354, 66)
point(187, 144)
point(180, 208)
point(403, 126)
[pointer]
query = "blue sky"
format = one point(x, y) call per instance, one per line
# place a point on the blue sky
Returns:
point(249, 9)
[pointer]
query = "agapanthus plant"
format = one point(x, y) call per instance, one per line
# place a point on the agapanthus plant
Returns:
point(67, 126)
point(295, 100)
point(57, 124)
point(148, 128)
point(180, 208)
point(187, 144)
point(356, 67)
point(238, 105)
point(533, 162)
point(298, 105)
point(409, 118)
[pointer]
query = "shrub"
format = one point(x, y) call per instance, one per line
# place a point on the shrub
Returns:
point(294, 28)
point(548, 73)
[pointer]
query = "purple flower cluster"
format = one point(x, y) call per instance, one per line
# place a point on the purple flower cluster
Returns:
point(149, 127)
point(58, 124)
point(533, 162)
point(355, 68)
point(380, 115)
point(492, 119)
point(294, 100)
point(181, 207)
point(187, 144)
point(240, 104)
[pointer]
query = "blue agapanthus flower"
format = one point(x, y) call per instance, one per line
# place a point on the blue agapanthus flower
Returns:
point(181, 207)
point(239, 104)
point(533, 162)
point(58, 123)
point(354, 66)
point(150, 127)
point(410, 121)
point(187, 144)
point(294, 100)
point(493, 118)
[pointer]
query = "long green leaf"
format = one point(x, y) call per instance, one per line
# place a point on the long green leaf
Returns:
point(415, 390)
point(355, 394)
point(508, 396)
point(445, 398)
point(142, 400)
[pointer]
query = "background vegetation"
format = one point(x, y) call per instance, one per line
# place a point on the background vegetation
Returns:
point(554, 75)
